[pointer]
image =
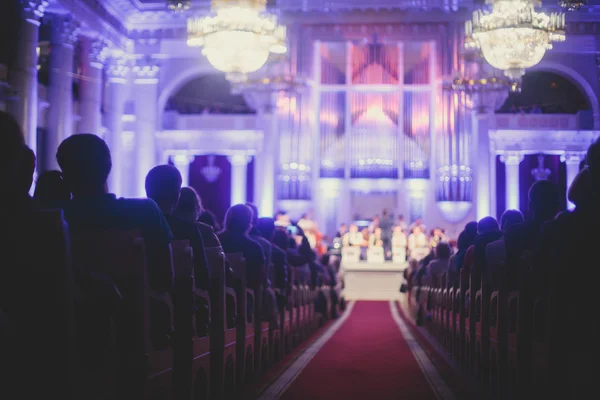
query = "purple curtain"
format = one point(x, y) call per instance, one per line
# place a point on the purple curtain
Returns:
point(216, 195)
point(500, 188)
point(250, 182)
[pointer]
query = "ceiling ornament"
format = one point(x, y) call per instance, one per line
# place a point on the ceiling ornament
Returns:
point(572, 5)
point(512, 36)
point(179, 5)
point(238, 37)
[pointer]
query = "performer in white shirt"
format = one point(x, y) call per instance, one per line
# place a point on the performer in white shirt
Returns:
point(375, 238)
point(353, 237)
point(310, 229)
point(399, 243)
point(418, 247)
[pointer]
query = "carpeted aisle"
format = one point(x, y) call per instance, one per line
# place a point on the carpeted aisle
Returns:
point(367, 358)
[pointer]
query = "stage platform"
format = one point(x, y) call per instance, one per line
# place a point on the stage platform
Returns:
point(372, 281)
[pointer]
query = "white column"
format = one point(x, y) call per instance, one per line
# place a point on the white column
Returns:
point(146, 110)
point(511, 161)
point(182, 163)
point(239, 182)
point(90, 91)
point(483, 178)
point(116, 74)
point(572, 160)
point(60, 92)
point(24, 74)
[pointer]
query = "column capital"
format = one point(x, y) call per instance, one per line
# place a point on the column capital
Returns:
point(65, 29)
point(183, 158)
point(146, 70)
point(512, 158)
point(572, 157)
point(239, 159)
point(117, 69)
point(96, 50)
point(33, 10)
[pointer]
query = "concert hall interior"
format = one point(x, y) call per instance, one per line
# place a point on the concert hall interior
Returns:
point(298, 199)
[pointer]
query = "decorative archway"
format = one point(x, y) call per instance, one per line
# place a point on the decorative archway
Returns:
point(177, 81)
point(577, 79)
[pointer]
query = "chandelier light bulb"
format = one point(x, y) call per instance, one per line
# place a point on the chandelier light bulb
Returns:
point(179, 5)
point(513, 36)
point(238, 37)
point(572, 5)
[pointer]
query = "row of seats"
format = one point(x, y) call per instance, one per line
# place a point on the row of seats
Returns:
point(122, 340)
point(498, 338)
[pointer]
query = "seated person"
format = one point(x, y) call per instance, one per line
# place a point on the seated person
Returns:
point(439, 264)
point(522, 239)
point(210, 219)
point(496, 251)
point(266, 228)
point(235, 239)
point(418, 248)
point(375, 239)
point(437, 235)
point(51, 190)
point(189, 208)
point(163, 185)
point(86, 163)
point(488, 231)
point(353, 237)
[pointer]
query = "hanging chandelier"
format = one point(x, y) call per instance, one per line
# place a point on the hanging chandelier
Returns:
point(513, 36)
point(572, 5)
point(179, 5)
point(238, 37)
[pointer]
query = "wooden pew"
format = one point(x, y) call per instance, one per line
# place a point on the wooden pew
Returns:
point(192, 322)
point(143, 320)
point(246, 307)
point(37, 295)
point(223, 329)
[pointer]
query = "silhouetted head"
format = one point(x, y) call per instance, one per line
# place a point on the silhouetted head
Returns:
point(26, 170)
point(593, 161)
point(471, 228)
point(443, 251)
point(210, 219)
point(12, 148)
point(281, 239)
point(487, 225)
point(266, 227)
point(543, 199)
point(254, 213)
point(85, 162)
point(163, 185)
point(190, 205)
point(51, 190)
point(510, 218)
point(581, 189)
point(238, 219)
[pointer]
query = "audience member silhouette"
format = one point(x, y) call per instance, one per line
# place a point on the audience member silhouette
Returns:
point(163, 185)
point(521, 239)
point(12, 150)
point(496, 251)
point(439, 264)
point(235, 239)
point(51, 191)
point(475, 260)
point(25, 178)
point(190, 209)
point(210, 219)
point(86, 163)
point(266, 228)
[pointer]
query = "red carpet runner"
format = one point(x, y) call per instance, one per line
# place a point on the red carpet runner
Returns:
point(367, 358)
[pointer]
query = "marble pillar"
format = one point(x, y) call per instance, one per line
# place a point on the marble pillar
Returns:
point(239, 178)
point(24, 73)
point(90, 90)
point(481, 152)
point(145, 91)
point(572, 161)
point(512, 160)
point(60, 91)
point(182, 163)
point(116, 74)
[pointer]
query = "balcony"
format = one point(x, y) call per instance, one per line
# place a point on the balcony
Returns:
point(542, 122)
point(172, 120)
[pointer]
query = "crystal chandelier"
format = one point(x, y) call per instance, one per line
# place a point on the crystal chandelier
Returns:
point(572, 5)
point(238, 37)
point(179, 5)
point(513, 36)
